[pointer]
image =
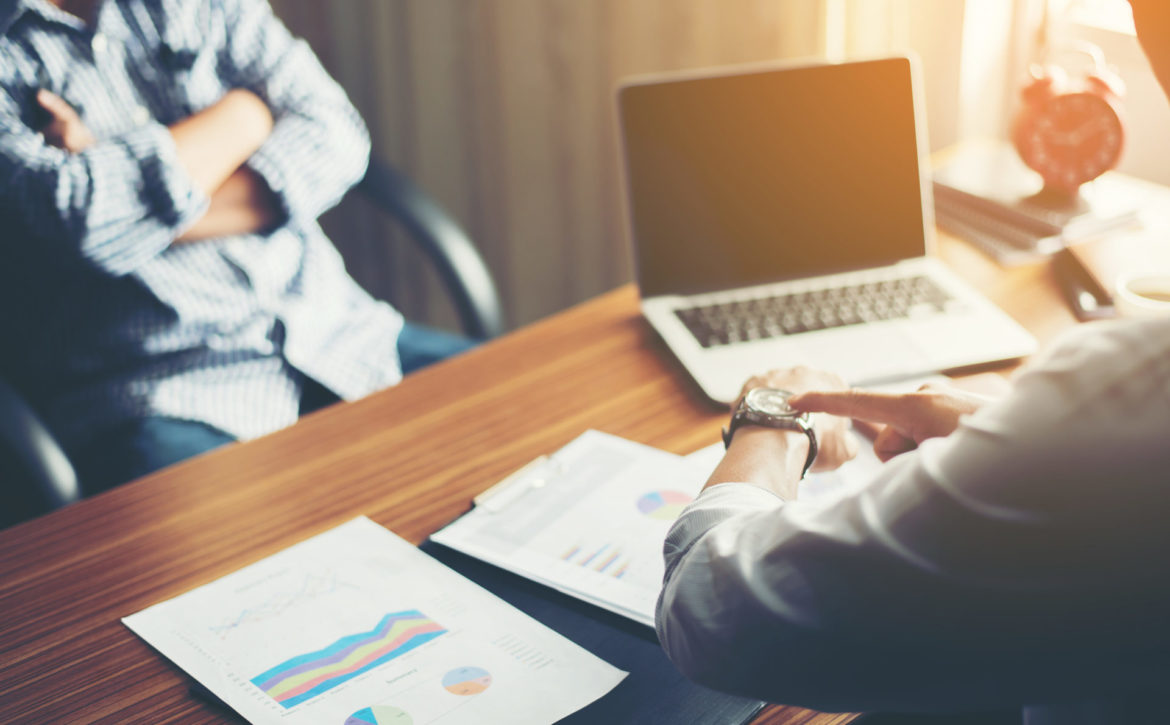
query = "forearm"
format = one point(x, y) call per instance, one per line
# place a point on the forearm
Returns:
point(115, 205)
point(319, 146)
point(242, 205)
point(765, 457)
point(214, 143)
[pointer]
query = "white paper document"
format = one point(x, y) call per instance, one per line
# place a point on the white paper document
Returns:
point(591, 519)
point(357, 627)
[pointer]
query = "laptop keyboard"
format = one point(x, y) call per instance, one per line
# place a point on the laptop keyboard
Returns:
point(726, 323)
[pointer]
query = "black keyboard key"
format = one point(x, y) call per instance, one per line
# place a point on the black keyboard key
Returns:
point(800, 312)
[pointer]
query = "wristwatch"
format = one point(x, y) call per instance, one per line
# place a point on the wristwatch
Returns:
point(769, 407)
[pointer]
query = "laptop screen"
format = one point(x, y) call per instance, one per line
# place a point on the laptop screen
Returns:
point(772, 175)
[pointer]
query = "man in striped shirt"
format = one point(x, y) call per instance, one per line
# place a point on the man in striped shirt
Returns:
point(164, 283)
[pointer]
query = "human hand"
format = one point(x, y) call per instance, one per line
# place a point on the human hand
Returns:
point(65, 129)
point(908, 419)
point(243, 204)
point(835, 442)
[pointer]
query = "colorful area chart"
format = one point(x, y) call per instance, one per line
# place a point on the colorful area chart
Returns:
point(306, 676)
point(663, 505)
point(379, 715)
point(467, 680)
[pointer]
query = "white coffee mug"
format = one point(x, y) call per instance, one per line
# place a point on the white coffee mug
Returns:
point(1143, 294)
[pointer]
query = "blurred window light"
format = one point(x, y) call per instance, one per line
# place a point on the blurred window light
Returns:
point(1112, 15)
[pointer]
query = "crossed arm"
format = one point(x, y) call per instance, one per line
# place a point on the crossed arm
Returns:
point(212, 146)
point(122, 200)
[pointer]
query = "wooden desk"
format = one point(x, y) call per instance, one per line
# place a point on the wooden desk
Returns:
point(410, 458)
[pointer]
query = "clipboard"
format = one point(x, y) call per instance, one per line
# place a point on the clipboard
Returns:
point(589, 520)
point(654, 693)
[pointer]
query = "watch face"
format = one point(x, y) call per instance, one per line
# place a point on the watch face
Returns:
point(770, 401)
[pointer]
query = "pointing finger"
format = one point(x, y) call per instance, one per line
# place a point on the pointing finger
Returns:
point(867, 428)
point(858, 404)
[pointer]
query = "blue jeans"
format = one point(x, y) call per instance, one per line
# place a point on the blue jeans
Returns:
point(139, 447)
point(420, 346)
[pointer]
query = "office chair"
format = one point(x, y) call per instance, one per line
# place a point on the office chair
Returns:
point(461, 268)
point(43, 470)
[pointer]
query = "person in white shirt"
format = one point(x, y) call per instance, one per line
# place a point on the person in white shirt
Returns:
point(1012, 553)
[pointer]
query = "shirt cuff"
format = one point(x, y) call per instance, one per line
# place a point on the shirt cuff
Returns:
point(160, 201)
point(267, 162)
point(167, 189)
point(714, 506)
point(737, 495)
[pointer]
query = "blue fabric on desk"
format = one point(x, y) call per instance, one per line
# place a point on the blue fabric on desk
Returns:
point(654, 692)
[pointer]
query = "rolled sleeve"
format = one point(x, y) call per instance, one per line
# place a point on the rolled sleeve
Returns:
point(164, 204)
point(319, 147)
point(709, 575)
point(310, 168)
point(714, 506)
point(116, 205)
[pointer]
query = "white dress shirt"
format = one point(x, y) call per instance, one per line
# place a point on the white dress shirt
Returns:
point(1023, 560)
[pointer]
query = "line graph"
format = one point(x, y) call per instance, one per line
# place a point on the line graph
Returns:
point(312, 586)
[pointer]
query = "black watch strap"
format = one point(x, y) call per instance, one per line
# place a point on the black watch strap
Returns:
point(741, 418)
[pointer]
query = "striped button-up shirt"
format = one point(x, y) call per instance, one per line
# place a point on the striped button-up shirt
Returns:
point(103, 319)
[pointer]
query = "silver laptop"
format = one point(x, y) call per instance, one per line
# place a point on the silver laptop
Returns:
point(783, 216)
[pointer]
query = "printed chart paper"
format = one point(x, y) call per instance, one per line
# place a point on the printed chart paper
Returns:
point(590, 522)
point(357, 627)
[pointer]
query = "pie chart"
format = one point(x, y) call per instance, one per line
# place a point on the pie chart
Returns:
point(467, 680)
point(379, 715)
point(663, 505)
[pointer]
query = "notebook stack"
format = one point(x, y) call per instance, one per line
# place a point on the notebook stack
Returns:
point(985, 194)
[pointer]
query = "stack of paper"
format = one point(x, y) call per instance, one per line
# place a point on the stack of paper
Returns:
point(985, 193)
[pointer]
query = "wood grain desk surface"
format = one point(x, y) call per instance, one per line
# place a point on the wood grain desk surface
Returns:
point(410, 458)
